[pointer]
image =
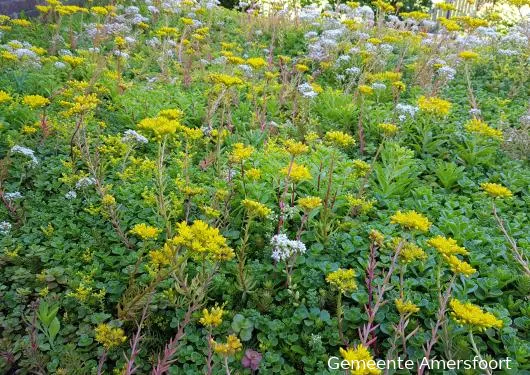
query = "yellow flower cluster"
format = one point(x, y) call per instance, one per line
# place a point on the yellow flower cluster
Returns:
point(411, 220)
point(212, 317)
point(256, 62)
point(434, 105)
point(145, 232)
point(295, 148)
point(361, 360)
point(256, 209)
point(446, 246)
point(231, 347)
point(468, 314)
point(361, 205)
point(481, 128)
point(298, 172)
point(82, 104)
point(163, 256)
point(343, 280)
point(5, 97)
point(361, 168)
point(406, 307)
point(496, 190)
point(309, 203)
point(468, 55)
point(340, 139)
point(108, 200)
point(459, 267)
point(159, 126)
point(240, 152)
point(73, 61)
point(253, 174)
point(203, 240)
point(35, 101)
point(409, 251)
point(109, 337)
point(226, 80)
point(366, 90)
point(388, 130)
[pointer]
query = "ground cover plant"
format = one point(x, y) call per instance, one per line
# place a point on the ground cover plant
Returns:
point(187, 189)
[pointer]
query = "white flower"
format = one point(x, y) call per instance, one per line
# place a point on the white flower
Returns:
point(133, 136)
point(71, 195)
point(84, 182)
point(12, 196)
point(307, 90)
point(407, 109)
point(283, 248)
point(26, 152)
point(5, 227)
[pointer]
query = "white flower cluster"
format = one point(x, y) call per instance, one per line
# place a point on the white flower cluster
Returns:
point(406, 110)
point(5, 227)
point(84, 182)
point(283, 248)
point(13, 196)
point(307, 90)
point(133, 137)
point(26, 152)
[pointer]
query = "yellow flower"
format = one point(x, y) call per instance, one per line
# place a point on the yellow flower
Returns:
point(409, 251)
point(5, 97)
point(160, 126)
point(361, 168)
point(301, 68)
point(6, 55)
point(298, 172)
point(100, 11)
point(360, 360)
point(343, 280)
point(253, 174)
point(163, 256)
point(388, 130)
point(339, 139)
point(434, 105)
point(240, 152)
point(35, 101)
point(231, 347)
point(82, 104)
point(468, 55)
point(406, 307)
point(449, 24)
point(73, 61)
point(366, 90)
point(109, 337)
point(21, 22)
point(295, 148)
point(203, 240)
point(309, 203)
point(446, 246)
point(108, 200)
point(226, 80)
point(468, 314)
point(256, 62)
point(459, 267)
point(145, 232)
point(481, 128)
point(256, 209)
point(187, 21)
point(496, 190)
point(171, 114)
point(360, 205)
point(212, 318)
point(411, 220)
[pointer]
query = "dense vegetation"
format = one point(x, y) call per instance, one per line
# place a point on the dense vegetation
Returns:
point(188, 189)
